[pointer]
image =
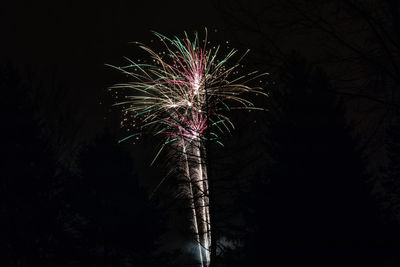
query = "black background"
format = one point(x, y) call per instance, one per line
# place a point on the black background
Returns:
point(313, 181)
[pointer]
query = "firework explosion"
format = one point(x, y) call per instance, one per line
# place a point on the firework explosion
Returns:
point(184, 95)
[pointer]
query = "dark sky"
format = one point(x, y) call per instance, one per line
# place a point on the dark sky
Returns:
point(67, 43)
point(64, 46)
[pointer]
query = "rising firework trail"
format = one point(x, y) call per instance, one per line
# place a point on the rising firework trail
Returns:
point(184, 93)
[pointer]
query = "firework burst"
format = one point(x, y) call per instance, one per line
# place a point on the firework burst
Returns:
point(184, 95)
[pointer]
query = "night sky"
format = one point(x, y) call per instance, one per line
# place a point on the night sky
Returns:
point(69, 42)
point(313, 181)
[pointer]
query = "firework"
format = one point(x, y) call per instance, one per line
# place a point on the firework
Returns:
point(184, 94)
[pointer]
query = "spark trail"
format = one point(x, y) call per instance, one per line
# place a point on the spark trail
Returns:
point(185, 95)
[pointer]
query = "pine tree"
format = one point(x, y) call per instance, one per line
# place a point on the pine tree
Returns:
point(121, 225)
point(314, 202)
point(28, 212)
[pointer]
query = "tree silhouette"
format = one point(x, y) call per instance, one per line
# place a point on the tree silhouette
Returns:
point(314, 202)
point(356, 42)
point(120, 225)
point(391, 173)
point(28, 212)
point(54, 217)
